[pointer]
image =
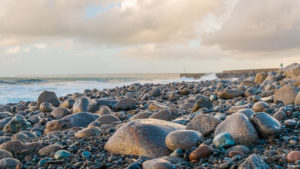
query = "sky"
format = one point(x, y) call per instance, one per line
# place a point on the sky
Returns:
point(44, 37)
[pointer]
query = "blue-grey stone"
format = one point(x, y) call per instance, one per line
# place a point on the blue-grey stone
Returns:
point(62, 154)
point(223, 140)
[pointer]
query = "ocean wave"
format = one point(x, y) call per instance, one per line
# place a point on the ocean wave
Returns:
point(22, 81)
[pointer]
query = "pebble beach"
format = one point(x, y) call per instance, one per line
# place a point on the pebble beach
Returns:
point(252, 122)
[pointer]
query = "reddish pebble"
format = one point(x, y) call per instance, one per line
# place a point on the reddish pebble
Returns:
point(293, 156)
point(234, 153)
point(201, 152)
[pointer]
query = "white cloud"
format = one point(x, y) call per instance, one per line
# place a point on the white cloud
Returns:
point(26, 50)
point(257, 26)
point(40, 45)
point(13, 50)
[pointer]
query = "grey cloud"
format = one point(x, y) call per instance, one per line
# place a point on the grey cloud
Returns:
point(148, 21)
point(260, 26)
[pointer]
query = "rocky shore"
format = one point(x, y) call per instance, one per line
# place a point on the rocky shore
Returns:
point(250, 123)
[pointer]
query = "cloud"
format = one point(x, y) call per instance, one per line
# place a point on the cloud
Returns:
point(13, 50)
point(126, 23)
point(155, 51)
point(258, 27)
point(40, 45)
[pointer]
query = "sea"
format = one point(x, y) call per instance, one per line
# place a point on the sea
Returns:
point(28, 88)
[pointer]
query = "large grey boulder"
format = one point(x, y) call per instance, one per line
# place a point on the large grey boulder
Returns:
point(265, 124)
point(82, 119)
point(202, 102)
point(49, 97)
point(286, 94)
point(9, 163)
point(183, 139)
point(126, 104)
point(239, 127)
point(81, 104)
point(60, 112)
point(203, 123)
point(143, 137)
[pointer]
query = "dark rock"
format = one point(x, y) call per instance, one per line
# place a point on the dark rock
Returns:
point(46, 107)
point(5, 115)
point(4, 139)
point(81, 104)
point(265, 124)
point(16, 124)
point(254, 161)
point(103, 110)
point(49, 97)
point(203, 123)
point(279, 115)
point(247, 112)
point(202, 102)
point(183, 139)
point(155, 92)
point(82, 119)
point(5, 154)
point(141, 115)
point(230, 93)
point(60, 112)
point(126, 104)
point(4, 121)
point(108, 119)
point(9, 163)
point(163, 114)
point(67, 103)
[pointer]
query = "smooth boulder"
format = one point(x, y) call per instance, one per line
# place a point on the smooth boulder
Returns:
point(286, 94)
point(49, 97)
point(82, 119)
point(143, 137)
point(230, 93)
point(265, 124)
point(254, 161)
point(82, 104)
point(203, 123)
point(239, 127)
point(126, 104)
point(202, 102)
point(183, 139)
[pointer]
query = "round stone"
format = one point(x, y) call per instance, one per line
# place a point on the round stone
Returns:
point(60, 154)
point(201, 152)
point(9, 163)
point(293, 156)
point(157, 164)
point(265, 124)
point(223, 140)
point(183, 139)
